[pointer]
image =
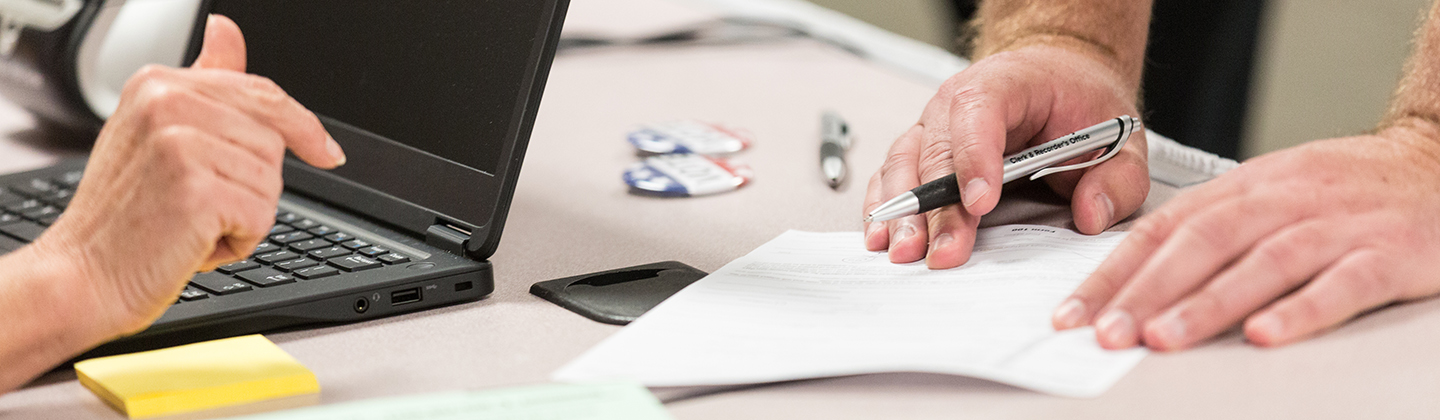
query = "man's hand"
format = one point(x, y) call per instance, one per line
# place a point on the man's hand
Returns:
point(184, 177)
point(1000, 105)
point(1292, 243)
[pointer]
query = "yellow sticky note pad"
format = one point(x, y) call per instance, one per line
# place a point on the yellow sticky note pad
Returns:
point(196, 377)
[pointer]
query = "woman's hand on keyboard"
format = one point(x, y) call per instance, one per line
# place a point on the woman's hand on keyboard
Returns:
point(185, 176)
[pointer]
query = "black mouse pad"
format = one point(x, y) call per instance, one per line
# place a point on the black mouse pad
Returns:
point(621, 295)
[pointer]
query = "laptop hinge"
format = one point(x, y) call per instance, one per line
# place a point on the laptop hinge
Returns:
point(447, 237)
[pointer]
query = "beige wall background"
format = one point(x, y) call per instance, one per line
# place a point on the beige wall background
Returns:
point(931, 21)
point(1327, 68)
point(1324, 68)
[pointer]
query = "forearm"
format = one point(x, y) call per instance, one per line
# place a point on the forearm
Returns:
point(1416, 104)
point(41, 316)
point(1113, 31)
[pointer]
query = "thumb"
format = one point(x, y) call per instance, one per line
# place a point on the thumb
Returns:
point(224, 46)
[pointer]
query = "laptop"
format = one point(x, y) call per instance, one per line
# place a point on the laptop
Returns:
point(433, 103)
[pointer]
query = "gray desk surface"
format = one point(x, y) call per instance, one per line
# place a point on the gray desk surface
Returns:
point(572, 215)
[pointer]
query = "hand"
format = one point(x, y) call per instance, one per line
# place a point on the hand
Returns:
point(185, 176)
point(1292, 243)
point(1000, 105)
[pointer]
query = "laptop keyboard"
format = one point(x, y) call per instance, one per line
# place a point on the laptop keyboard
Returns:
point(298, 249)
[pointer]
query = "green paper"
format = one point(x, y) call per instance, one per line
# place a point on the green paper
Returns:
point(601, 401)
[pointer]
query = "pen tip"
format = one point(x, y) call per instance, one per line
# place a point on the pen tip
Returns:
point(869, 219)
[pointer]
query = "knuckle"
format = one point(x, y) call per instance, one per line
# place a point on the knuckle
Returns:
point(1208, 235)
point(1151, 231)
point(1283, 255)
point(1305, 309)
point(1206, 305)
point(895, 162)
point(272, 150)
point(936, 158)
point(147, 75)
point(968, 98)
point(1365, 283)
point(172, 141)
point(264, 89)
point(195, 190)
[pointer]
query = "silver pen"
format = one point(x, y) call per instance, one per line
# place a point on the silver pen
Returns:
point(834, 141)
point(1034, 162)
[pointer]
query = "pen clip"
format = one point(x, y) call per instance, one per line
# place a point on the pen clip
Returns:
point(1126, 125)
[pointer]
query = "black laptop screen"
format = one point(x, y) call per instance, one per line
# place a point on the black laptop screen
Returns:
point(342, 59)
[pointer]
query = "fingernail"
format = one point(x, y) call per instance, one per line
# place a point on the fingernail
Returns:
point(1268, 326)
point(1107, 210)
point(976, 189)
point(942, 241)
point(333, 147)
point(1117, 327)
point(873, 229)
point(1170, 329)
point(901, 233)
point(1069, 313)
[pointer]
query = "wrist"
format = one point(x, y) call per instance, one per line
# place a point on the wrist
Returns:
point(1420, 135)
point(49, 315)
point(1072, 61)
point(1111, 32)
point(61, 275)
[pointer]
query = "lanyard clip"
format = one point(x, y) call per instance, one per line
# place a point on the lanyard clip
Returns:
point(1127, 125)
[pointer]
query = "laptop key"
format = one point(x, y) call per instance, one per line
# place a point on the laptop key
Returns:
point(70, 179)
point(62, 202)
point(286, 217)
point(219, 284)
point(293, 265)
point(374, 251)
point(39, 212)
point(23, 230)
point(265, 247)
point(25, 206)
point(305, 224)
point(393, 258)
point(286, 238)
point(48, 220)
point(8, 198)
point(60, 197)
point(237, 267)
point(321, 231)
point(9, 218)
point(35, 188)
point(8, 244)
point(279, 229)
point(355, 244)
point(354, 263)
point(275, 257)
point(305, 246)
point(191, 293)
point(339, 237)
point(330, 252)
point(316, 272)
point(266, 277)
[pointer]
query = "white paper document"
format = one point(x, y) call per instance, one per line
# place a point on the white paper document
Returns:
point(809, 305)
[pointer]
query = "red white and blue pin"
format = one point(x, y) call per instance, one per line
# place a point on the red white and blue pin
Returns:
point(686, 136)
point(686, 175)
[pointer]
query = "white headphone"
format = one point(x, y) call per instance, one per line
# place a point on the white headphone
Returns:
point(124, 36)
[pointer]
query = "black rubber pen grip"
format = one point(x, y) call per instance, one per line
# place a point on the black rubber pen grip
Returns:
point(938, 193)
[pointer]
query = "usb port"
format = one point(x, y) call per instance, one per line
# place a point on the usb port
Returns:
point(401, 297)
